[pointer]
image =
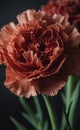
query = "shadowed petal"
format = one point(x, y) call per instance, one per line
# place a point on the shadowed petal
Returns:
point(51, 85)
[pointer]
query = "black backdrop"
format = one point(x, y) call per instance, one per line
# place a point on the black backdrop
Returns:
point(9, 104)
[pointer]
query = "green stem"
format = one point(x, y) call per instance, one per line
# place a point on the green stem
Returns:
point(67, 120)
point(51, 112)
point(69, 90)
point(26, 107)
point(38, 108)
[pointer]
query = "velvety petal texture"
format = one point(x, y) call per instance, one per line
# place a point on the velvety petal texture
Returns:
point(39, 52)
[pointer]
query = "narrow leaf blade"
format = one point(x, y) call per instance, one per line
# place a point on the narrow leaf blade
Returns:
point(18, 124)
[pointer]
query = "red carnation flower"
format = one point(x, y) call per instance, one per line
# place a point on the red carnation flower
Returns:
point(68, 8)
point(39, 53)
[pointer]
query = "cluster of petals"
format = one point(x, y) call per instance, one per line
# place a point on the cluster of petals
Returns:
point(68, 8)
point(39, 52)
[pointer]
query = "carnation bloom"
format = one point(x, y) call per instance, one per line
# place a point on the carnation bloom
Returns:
point(39, 53)
point(69, 8)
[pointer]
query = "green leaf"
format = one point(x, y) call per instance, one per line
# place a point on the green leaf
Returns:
point(26, 107)
point(18, 124)
point(30, 120)
point(36, 119)
point(74, 99)
point(68, 126)
point(70, 94)
point(46, 125)
point(69, 89)
point(63, 98)
point(51, 112)
point(38, 108)
point(69, 108)
point(38, 125)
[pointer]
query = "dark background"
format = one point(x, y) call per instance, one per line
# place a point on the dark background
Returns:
point(9, 103)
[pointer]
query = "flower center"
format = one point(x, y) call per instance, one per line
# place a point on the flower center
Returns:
point(40, 41)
